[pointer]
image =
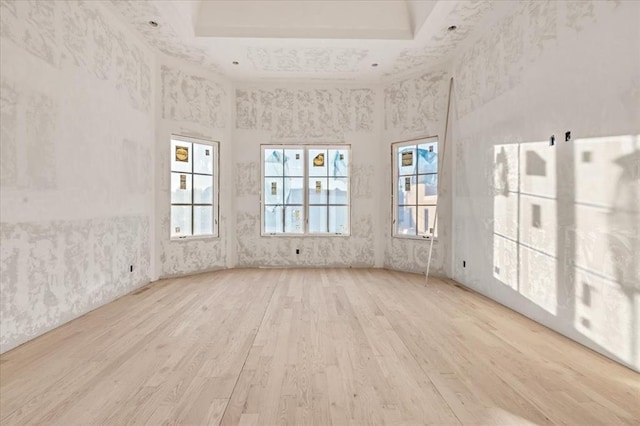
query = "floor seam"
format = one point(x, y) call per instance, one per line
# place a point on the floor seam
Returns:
point(419, 364)
point(244, 363)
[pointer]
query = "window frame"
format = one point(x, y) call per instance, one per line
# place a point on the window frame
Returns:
point(305, 147)
point(215, 200)
point(395, 176)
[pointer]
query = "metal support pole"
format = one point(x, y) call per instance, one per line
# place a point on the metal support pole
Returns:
point(444, 150)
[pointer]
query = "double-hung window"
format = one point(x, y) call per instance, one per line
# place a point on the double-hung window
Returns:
point(194, 168)
point(305, 190)
point(415, 183)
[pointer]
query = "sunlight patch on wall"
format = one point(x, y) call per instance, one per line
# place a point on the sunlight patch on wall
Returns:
point(505, 207)
point(601, 308)
point(607, 242)
point(525, 221)
point(538, 278)
point(608, 207)
point(505, 259)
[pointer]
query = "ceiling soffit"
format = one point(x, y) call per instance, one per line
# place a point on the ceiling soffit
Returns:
point(307, 19)
point(261, 58)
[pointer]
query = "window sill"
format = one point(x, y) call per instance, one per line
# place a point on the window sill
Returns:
point(304, 235)
point(415, 237)
point(197, 237)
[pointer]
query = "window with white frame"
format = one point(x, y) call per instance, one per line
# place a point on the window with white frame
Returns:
point(305, 190)
point(194, 168)
point(415, 183)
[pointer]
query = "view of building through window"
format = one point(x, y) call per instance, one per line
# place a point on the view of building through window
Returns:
point(416, 187)
point(306, 190)
point(192, 187)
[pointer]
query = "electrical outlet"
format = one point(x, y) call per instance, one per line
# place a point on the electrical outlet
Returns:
point(464, 263)
point(130, 268)
point(297, 251)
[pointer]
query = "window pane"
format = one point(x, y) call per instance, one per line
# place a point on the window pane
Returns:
point(338, 162)
point(317, 190)
point(287, 209)
point(180, 188)
point(406, 220)
point(317, 162)
point(428, 157)
point(426, 216)
point(181, 156)
point(180, 221)
point(317, 219)
point(202, 220)
point(202, 158)
point(294, 219)
point(203, 189)
point(273, 191)
point(339, 219)
point(294, 162)
point(272, 219)
point(294, 191)
point(273, 162)
point(406, 160)
point(407, 190)
point(339, 191)
point(427, 189)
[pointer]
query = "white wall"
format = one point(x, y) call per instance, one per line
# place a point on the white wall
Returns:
point(77, 127)
point(553, 232)
point(192, 102)
point(416, 107)
point(290, 113)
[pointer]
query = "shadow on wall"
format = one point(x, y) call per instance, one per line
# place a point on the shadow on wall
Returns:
point(566, 235)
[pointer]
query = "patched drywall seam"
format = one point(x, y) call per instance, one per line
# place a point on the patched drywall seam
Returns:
point(417, 105)
point(88, 42)
point(552, 231)
point(192, 99)
point(466, 15)
point(414, 108)
point(76, 137)
point(305, 114)
point(306, 59)
point(192, 103)
point(55, 271)
point(8, 123)
point(166, 38)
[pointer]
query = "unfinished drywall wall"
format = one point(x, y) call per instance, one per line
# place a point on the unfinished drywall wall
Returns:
point(77, 131)
point(303, 114)
point(196, 103)
point(414, 108)
point(552, 231)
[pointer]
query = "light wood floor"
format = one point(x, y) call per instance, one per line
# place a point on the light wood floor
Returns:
point(307, 346)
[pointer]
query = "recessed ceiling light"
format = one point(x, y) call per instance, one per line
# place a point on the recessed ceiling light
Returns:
point(235, 63)
point(452, 28)
point(374, 65)
point(154, 24)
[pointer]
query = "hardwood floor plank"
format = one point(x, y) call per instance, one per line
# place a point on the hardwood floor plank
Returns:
point(310, 346)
